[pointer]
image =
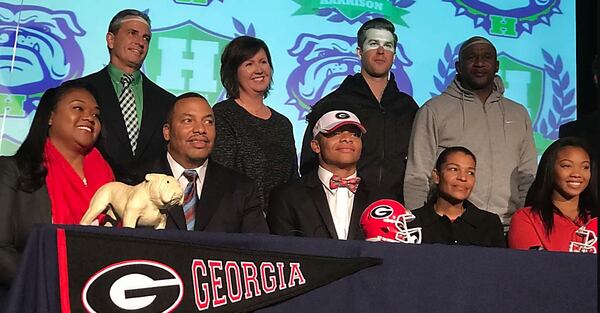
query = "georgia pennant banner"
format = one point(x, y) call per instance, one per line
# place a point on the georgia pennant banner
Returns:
point(115, 273)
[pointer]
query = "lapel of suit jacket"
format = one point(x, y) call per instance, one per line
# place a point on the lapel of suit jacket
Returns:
point(360, 204)
point(175, 212)
point(320, 200)
point(111, 110)
point(151, 122)
point(209, 197)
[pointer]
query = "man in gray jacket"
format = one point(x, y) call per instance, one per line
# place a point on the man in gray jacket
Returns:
point(473, 113)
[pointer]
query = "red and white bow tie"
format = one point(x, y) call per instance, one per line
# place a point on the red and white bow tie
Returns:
point(338, 182)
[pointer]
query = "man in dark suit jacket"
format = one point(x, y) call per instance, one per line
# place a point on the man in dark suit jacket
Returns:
point(324, 202)
point(227, 201)
point(128, 39)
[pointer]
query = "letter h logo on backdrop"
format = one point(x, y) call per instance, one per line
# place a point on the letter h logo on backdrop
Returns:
point(180, 53)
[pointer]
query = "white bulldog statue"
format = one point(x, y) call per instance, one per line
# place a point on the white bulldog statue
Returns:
point(141, 205)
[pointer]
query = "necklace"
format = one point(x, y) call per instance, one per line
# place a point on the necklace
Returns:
point(461, 211)
point(262, 112)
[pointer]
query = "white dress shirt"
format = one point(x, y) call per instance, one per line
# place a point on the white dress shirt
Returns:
point(340, 202)
point(177, 170)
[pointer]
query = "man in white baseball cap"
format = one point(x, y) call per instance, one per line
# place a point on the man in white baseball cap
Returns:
point(327, 202)
point(386, 112)
point(330, 121)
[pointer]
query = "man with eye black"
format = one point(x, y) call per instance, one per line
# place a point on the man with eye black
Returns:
point(374, 97)
point(328, 202)
point(473, 112)
point(133, 107)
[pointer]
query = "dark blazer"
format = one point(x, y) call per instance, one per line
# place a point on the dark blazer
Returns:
point(228, 203)
point(300, 208)
point(19, 212)
point(114, 141)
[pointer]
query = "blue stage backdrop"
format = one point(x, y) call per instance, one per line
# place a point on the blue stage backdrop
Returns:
point(312, 42)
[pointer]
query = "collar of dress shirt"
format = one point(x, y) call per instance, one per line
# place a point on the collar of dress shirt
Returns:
point(115, 75)
point(177, 169)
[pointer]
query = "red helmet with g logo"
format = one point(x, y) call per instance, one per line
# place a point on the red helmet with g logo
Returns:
point(586, 238)
point(387, 220)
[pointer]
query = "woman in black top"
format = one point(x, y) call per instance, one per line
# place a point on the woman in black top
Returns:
point(448, 217)
point(252, 137)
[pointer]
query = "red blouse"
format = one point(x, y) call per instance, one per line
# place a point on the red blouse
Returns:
point(527, 231)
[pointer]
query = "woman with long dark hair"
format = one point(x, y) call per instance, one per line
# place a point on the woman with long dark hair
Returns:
point(561, 199)
point(448, 217)
point(54, 174)
point(252, 138)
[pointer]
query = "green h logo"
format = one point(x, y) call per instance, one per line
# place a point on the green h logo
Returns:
point(12, 116)
point(186, 57)
point(503, 26)
point(514, 72)
point(530, 93)
point(12, 105)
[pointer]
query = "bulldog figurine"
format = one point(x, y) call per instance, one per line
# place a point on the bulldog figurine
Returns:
point(144, 204)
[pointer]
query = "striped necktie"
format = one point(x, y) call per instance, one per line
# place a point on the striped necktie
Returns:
point(127, 104)
point(190, 197)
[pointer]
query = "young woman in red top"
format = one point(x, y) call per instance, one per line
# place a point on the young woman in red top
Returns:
point(561, 199)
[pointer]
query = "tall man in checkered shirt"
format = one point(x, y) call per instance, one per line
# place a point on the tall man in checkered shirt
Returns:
point(133, 108)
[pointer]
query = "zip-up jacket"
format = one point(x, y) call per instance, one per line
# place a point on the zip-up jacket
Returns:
point(498, 132)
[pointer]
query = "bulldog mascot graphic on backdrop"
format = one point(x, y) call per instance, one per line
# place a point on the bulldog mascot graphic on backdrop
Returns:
point(38, 50)
point(46, 52)
point(323, 63)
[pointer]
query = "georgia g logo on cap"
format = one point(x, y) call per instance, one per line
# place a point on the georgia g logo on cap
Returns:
point(342, 115)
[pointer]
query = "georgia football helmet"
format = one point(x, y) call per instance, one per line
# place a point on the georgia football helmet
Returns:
point(586, 238)
point(387, 220)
